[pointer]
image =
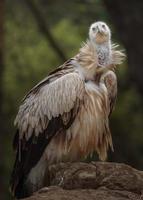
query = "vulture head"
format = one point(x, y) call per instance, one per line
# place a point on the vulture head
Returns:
point(99, 33)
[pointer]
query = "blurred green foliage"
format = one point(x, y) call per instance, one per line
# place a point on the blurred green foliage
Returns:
point(29, 57)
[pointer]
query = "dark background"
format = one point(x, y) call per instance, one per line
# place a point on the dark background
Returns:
point(36, 36)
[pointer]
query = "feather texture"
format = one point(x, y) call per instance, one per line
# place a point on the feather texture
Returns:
point(88, 57)
point(118, 56)
point(87, 132)
point(52, 100)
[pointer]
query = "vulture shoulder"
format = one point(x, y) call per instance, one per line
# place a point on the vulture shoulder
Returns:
point(110, 81)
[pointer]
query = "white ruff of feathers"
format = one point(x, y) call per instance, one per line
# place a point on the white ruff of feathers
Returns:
point(88, 56)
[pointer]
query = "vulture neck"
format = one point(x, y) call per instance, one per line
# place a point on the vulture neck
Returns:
point(90, 56)
point(103, 51)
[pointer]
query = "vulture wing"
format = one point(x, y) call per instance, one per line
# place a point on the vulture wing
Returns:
point(48, 109)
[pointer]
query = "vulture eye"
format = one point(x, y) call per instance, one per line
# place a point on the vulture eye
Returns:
point(93, 28)
point(103, 26)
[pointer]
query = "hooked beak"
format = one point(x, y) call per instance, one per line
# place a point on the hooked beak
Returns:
point(100, 30)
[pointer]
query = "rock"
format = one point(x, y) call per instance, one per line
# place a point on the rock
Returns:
point(91, 181)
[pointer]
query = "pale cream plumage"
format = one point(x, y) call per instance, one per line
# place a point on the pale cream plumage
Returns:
point(66, 116)
point(87, 56)
point(52, 100)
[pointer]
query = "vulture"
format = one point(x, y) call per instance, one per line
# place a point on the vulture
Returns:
point(65, 117)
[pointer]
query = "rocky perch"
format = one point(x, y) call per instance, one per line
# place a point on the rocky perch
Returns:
point(92, 181)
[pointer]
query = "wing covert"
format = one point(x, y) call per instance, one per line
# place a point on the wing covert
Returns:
point(50, 101)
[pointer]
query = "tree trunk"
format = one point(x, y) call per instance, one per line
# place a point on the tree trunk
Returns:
point(128, 19)
point(43, 27)
point(1, 51)
point(1, 97)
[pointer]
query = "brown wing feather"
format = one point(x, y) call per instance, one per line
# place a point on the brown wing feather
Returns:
point(110, 81)
point(31, 145)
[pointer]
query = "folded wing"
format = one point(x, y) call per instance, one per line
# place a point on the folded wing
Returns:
point(48, 109)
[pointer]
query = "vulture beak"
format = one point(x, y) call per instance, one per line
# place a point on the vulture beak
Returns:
point(100, 30)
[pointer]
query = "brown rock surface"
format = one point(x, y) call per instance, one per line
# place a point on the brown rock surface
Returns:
point(92, 181)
